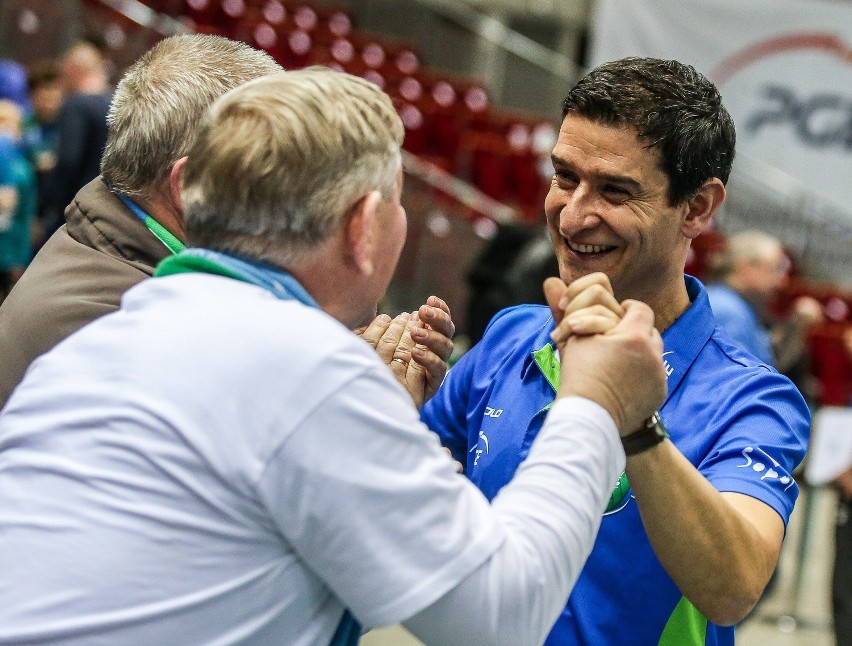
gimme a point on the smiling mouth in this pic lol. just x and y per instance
(588, 248)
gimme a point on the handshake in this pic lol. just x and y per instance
(610, 352)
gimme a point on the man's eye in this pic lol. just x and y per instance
(616, 191)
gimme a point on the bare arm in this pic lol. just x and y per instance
(719, 548)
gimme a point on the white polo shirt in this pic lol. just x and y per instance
(212, 465)
(207, 465)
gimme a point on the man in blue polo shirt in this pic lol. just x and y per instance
(693, 529)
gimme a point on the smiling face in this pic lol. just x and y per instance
(608, 210)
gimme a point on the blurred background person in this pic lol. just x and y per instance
(509, 270)
(13, 84)
(746, 276)
(17, 199)
(41, 137)
(841, 580)
(81, 125)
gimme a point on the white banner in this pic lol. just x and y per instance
(784, 68)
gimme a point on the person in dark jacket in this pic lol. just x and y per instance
(124, 222)
(81, 125)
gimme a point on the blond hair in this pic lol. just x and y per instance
(158, 105)
(281, 160)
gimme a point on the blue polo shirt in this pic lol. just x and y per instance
(733, 313)
(743, 426)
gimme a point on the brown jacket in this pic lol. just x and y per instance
(79, 275)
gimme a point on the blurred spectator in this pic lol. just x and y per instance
(17, 198)
(510, 270)
(841, 583)
(81, 124)
(41, 137)
(749, 272)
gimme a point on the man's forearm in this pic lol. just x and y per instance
(720, 557)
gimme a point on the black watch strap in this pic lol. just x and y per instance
(652, 433)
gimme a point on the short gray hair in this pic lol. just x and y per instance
(749, 246)
(281, 160)
(158, 105)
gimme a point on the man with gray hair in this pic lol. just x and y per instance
(120, 225)
(747, 274)
(223, 461)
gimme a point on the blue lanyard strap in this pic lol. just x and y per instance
(348, 631)
(162, 234)
(208, 261)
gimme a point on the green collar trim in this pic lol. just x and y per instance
(547, 361)
(183, 264)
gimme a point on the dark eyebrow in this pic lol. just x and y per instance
(621, 180)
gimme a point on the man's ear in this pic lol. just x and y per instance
(361, 231)
(175, 180)
(702, 206)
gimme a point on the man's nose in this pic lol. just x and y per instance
(580, 211)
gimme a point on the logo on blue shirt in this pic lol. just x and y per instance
(481, 442)
(667, 365)
(760, 467)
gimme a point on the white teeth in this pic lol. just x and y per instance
(588, 248)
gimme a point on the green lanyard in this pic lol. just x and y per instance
(160, 232)
(164, 235)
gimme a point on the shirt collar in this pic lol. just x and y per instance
(682, 341)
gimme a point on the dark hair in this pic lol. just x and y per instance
(42, 73)
(672, 107)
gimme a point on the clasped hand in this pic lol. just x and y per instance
(611, 353)
(416, 346)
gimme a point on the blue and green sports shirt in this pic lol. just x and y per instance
(743, 425)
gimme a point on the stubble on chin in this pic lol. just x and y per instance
(366, 318)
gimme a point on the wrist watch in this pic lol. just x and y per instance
(652, 433)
